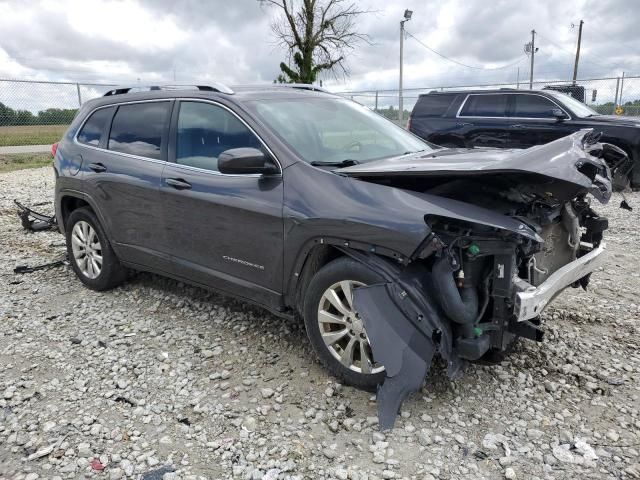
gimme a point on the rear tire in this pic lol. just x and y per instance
(335, 330)
(90, 253)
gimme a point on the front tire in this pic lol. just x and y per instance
(90, 253)
(335, 329)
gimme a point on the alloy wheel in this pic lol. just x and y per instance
(86, 249)
(343, 330)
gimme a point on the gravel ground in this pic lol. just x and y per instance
(157, 379)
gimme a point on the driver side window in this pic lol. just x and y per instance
(205, 131)
(533, 106)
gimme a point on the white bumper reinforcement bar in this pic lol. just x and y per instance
(531, 302)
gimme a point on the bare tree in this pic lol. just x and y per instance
(317, 35)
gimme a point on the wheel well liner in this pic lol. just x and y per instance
(68, 204)
(318, 257)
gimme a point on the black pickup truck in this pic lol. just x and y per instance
(509, 118)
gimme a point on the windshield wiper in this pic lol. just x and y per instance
(342, 163)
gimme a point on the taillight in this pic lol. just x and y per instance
(54, 149)
(409, 123)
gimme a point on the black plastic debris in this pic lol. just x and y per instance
(405, 330)
(403, 350)
(20, 269)
(158, 473)
(35, 221)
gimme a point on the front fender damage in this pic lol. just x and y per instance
(407, 344)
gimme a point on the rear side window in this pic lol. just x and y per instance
(486, 105)
(432, 105)
(138, 129)
(205, 131)
(533, 106)
(94, 127)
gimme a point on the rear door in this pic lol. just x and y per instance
(225, 231)
(483, 120)
(122, 175)
(533, 122)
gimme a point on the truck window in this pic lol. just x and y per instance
(485, 105)
(432, 105)
(532, 106)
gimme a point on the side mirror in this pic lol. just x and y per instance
(244, 161)
(558, 114)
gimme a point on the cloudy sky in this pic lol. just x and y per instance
(231, 41)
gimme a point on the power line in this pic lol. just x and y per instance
(460, 63)
(572, 53)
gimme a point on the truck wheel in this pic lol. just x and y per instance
(335, 329)
(90, 253)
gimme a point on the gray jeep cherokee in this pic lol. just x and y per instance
(391, 249)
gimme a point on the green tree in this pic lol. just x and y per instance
(24, 117)
(317, 35)
(7, 115)
(56, 116)
(50, 116)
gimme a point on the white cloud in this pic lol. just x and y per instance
(231, 41)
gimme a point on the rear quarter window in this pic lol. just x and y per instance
(93, 129)
(432, 105)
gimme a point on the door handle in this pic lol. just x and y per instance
(516, 125)
(178, 183)
(464, 124)
(97, 167)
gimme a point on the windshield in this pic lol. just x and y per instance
(580, 109)
(335, 130)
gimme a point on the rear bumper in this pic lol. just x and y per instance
(531, 302)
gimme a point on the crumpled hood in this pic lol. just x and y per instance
(558, 160)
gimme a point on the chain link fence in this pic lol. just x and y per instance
(38, 113)
(608, 96)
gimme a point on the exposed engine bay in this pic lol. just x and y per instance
(480, 281)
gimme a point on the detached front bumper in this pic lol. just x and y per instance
(530, 302)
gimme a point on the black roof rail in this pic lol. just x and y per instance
(304, 86)
(213, 87)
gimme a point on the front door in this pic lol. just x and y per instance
(225, 231)
(533, 121)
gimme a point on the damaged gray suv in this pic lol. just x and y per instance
(393, 250)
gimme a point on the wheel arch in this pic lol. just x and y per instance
(70, 201)
(316, 254)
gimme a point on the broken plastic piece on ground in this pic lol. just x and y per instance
(624, 204)
(34, 221)
(158, 473)
(45, 266)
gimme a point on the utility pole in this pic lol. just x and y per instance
(407, 17)
(533, 54)
(518, 79)
(575, 67)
